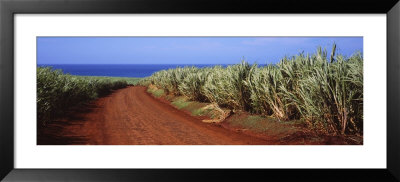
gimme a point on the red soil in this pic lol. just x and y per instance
(131, 116)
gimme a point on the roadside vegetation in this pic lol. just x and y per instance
(323, 91)
(57, 92)
(129, 81)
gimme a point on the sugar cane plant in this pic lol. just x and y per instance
(57, 92)
(326, 93)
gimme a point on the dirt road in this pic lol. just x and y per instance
(131, 116)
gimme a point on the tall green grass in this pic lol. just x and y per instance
(326, 92)
(57, 92)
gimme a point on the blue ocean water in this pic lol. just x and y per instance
(117, 70)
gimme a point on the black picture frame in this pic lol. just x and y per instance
(8, 8)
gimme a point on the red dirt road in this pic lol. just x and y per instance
(131, 116)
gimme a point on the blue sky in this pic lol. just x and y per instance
(183, 50)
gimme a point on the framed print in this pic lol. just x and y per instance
(133, 90)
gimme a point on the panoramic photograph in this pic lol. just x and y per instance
(199, 90)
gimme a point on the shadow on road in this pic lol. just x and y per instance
(56, 132)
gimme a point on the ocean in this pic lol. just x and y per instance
(117, 70)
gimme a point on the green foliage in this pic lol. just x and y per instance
(263, 124)
(158, 93)
(128, 80)
(57, 92)
(226, 86)
(180, 103)
(326, 92)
